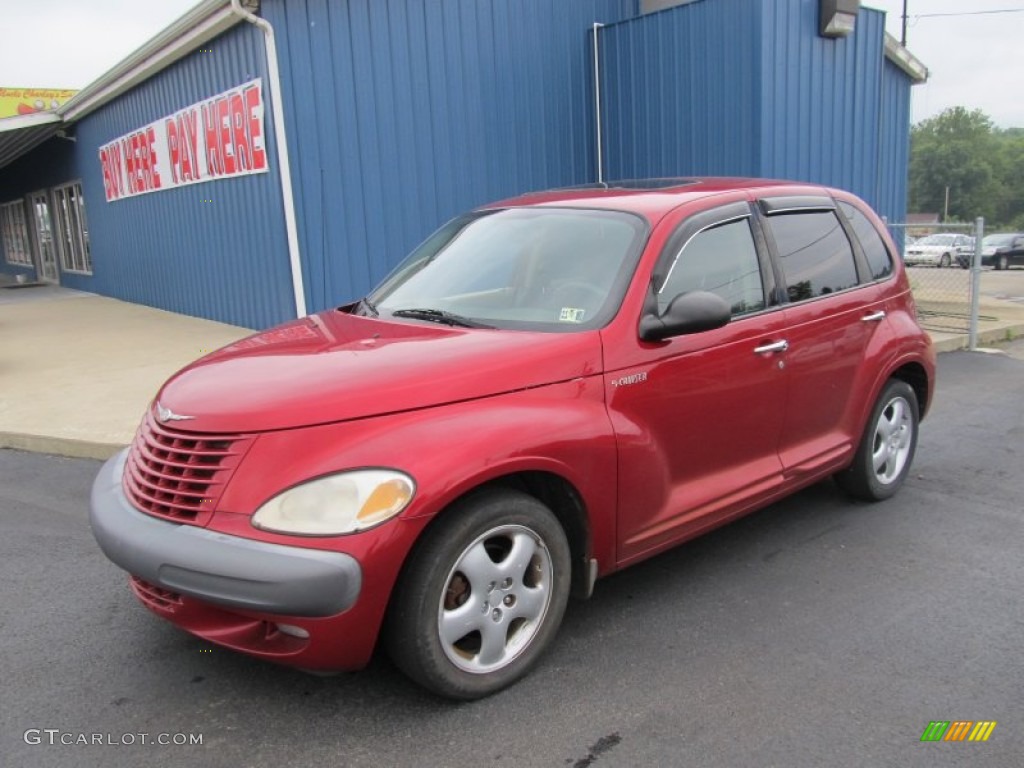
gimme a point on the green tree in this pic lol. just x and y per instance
(957, 149)
(1010, 171)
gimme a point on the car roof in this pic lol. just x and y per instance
(653, 198)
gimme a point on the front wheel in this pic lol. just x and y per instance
(887, 446)
(945, 261)
(481, 597)
(1002, 263)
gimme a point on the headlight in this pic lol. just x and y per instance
(344, 503)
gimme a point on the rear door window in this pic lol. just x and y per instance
(816, 256)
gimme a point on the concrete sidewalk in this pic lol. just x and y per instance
(77, 371)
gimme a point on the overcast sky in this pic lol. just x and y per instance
(975, 61)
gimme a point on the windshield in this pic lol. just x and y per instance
(937, 240)
(547, 269)
(998, 240)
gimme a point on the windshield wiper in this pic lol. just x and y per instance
(440, 316)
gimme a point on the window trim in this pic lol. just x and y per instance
(771, 206)
(702, 221)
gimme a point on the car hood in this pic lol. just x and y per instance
(334, 366)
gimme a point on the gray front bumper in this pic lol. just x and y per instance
(215, 567)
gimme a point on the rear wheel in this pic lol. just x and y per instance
(887, 446)
(482, 596)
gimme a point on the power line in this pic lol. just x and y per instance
(966, 13)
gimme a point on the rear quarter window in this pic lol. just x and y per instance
(877, 255)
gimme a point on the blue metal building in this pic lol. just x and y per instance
(373, 121)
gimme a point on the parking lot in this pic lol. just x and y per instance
(816, 632)
(1008, 284)
(944, 296)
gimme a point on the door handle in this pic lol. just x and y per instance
(778, 346)
(874, 317)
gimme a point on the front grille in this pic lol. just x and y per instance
(154, 596)
(179, 475)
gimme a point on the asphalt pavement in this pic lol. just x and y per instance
(817, 632)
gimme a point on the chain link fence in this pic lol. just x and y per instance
(944, 266)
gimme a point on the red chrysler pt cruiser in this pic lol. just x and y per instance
(547, 390)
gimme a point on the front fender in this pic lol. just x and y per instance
(562, 429)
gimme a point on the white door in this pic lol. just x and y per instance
(44, 246)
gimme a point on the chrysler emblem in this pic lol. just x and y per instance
(166, 414)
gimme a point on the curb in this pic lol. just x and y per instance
(954, 343)
(59, 446)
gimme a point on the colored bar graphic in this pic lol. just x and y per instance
(982, 730)
(958, 730)
(935, 731)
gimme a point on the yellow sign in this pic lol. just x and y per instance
(25, 101)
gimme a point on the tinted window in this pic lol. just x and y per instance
(816, 256)
(721, 260)
(877, 254)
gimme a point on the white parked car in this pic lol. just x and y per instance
(937, 250)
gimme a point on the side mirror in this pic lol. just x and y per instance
(690, 312)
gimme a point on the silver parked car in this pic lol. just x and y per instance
(937, 250)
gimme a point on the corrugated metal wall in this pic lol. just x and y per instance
(403, 113)
(679, 93)
(822, 98)
(894, 145)
(226, 259)
(748, 87)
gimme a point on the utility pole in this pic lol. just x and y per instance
(903, 37)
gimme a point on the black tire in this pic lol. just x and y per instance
(518, 609)
(889, 439)
(1002, 263)
(945, 261)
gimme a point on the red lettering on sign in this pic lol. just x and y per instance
(190, 151)
(129, 162)
(174, 148)
(152, 158)
(224, 123)
(116, 168)
(254, 116)
(108, 181)
(138, 162)
(214, 166)
(240, 140)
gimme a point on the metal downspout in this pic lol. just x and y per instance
(597, 103)
(282, 152)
